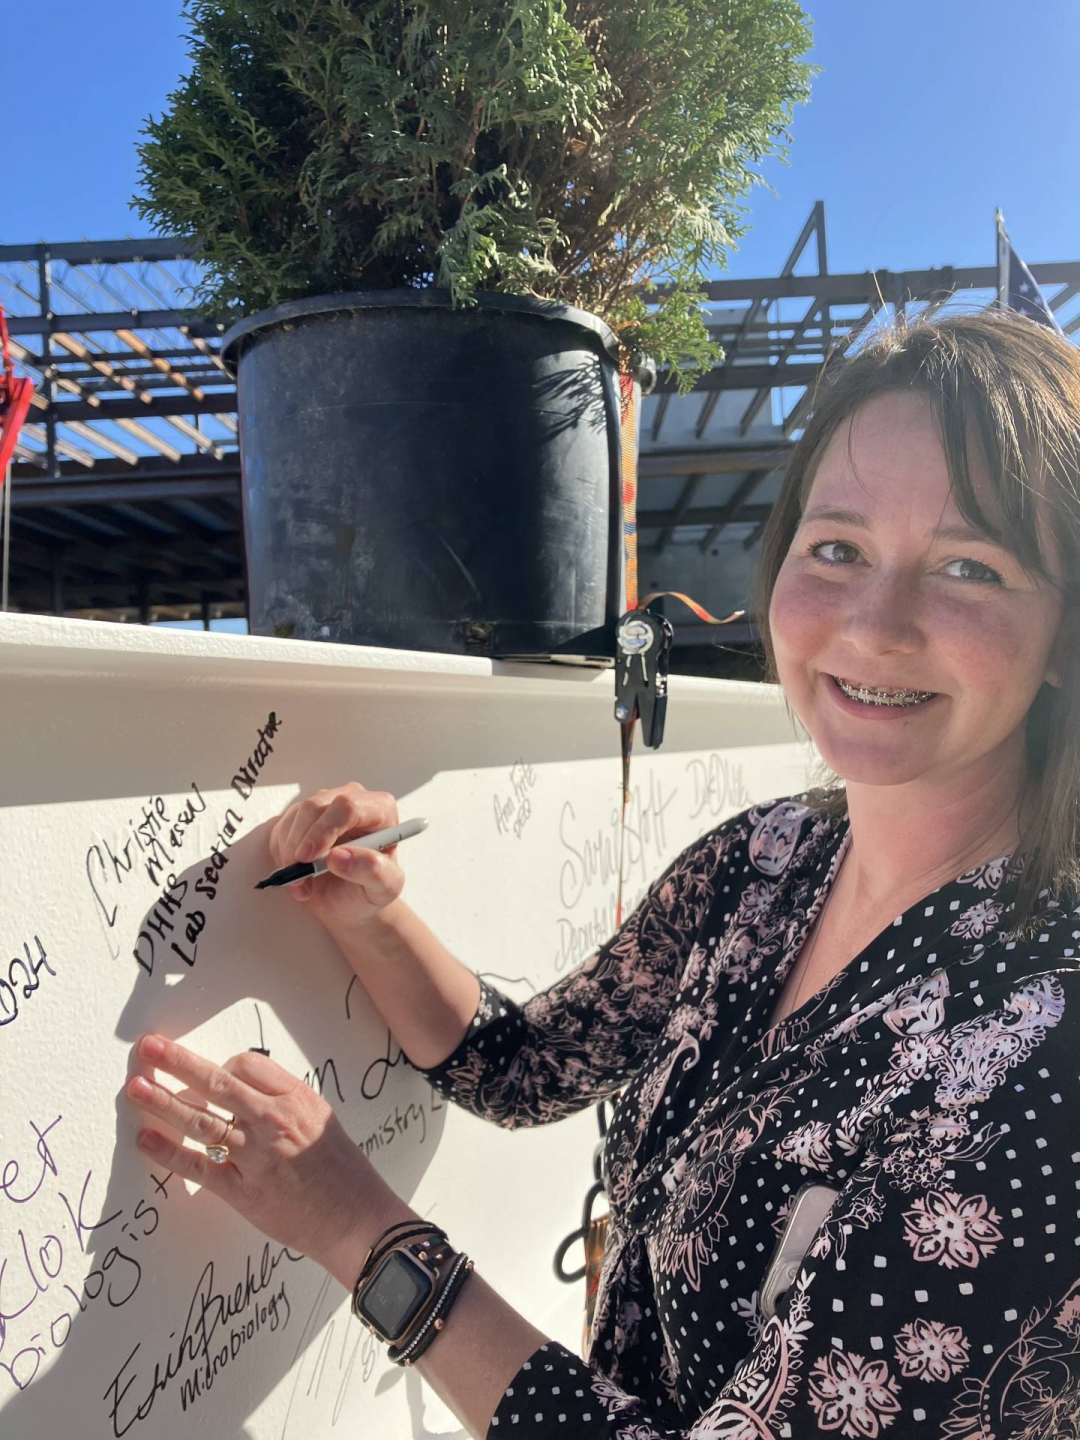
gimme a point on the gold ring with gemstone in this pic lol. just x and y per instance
(220, 1153)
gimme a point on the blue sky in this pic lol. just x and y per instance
(928, 114)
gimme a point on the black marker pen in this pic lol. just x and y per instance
(377, 840)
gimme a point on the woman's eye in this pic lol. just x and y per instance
(839, 553)
(823, 545)
(985, 575)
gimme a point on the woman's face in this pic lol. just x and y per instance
(883, 595)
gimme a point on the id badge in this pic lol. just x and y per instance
(808, 1213)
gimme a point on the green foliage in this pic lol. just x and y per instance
(584, 151)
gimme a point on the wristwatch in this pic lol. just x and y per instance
(391, 1299)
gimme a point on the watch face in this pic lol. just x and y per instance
(394, 1295)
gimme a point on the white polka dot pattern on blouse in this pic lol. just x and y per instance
(932, 1084)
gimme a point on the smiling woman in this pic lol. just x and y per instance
(917, 595)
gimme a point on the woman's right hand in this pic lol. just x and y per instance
(358, 883)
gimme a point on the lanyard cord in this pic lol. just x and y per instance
(628, 471)
(628, 448)
(594, 1232)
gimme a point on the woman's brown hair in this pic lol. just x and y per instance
(1013, 386)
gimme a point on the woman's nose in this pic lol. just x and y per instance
(883, 614)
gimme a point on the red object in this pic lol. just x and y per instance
(15, 393)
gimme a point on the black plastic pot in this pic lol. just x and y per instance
(431, 479)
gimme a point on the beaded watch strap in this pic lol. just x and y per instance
(435, 1319)
(429, 1245)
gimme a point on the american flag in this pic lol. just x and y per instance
(1017, 289)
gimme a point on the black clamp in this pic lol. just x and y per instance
(642, 655)
(596, 1189)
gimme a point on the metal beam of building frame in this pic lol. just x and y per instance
(89, 524)
(801, 243)
(44, 278)
(115, 320)
(815, 224)
(823, 263)
(779, 328)
(89, 600)
(858, 288)
(149, 380)
(734, 506)
(18, 580)
(28, 493)
(205, 349)
(138, 507)
(737, 346)
(795, 417)
(798, 412)
(227, 511)
(106, 442)
(90, 557)
(837, 289)
(142, 350)
(61, 382)
(197, 438)
(663, 464)
(755, 535)
(30, 457)
(685, 500)
(83, 592)
(197, 513)
(115, 376)
(745, 377)
(52, 534)
(707, 515)
(149, 438)
(1064, 295)
(56, 527)
(984, 277)
(749, 415)
(156, 467)
(76, 604)
(658, 417)
(152, 520)
(145, 407)
(810, 347)
(89, 252)
(154, 352)
(63, 447)
(708, 405)
(793, 420)
(866, 319)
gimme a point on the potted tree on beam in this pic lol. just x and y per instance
(438, 229)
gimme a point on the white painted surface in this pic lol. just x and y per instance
(100, 724)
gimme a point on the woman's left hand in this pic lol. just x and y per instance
(292, 1169)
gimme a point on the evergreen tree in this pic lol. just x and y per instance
(577, 150)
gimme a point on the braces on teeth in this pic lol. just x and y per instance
(883, 697)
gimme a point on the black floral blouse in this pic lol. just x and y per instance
(932, 1084)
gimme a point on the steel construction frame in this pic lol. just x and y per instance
(125, 493)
